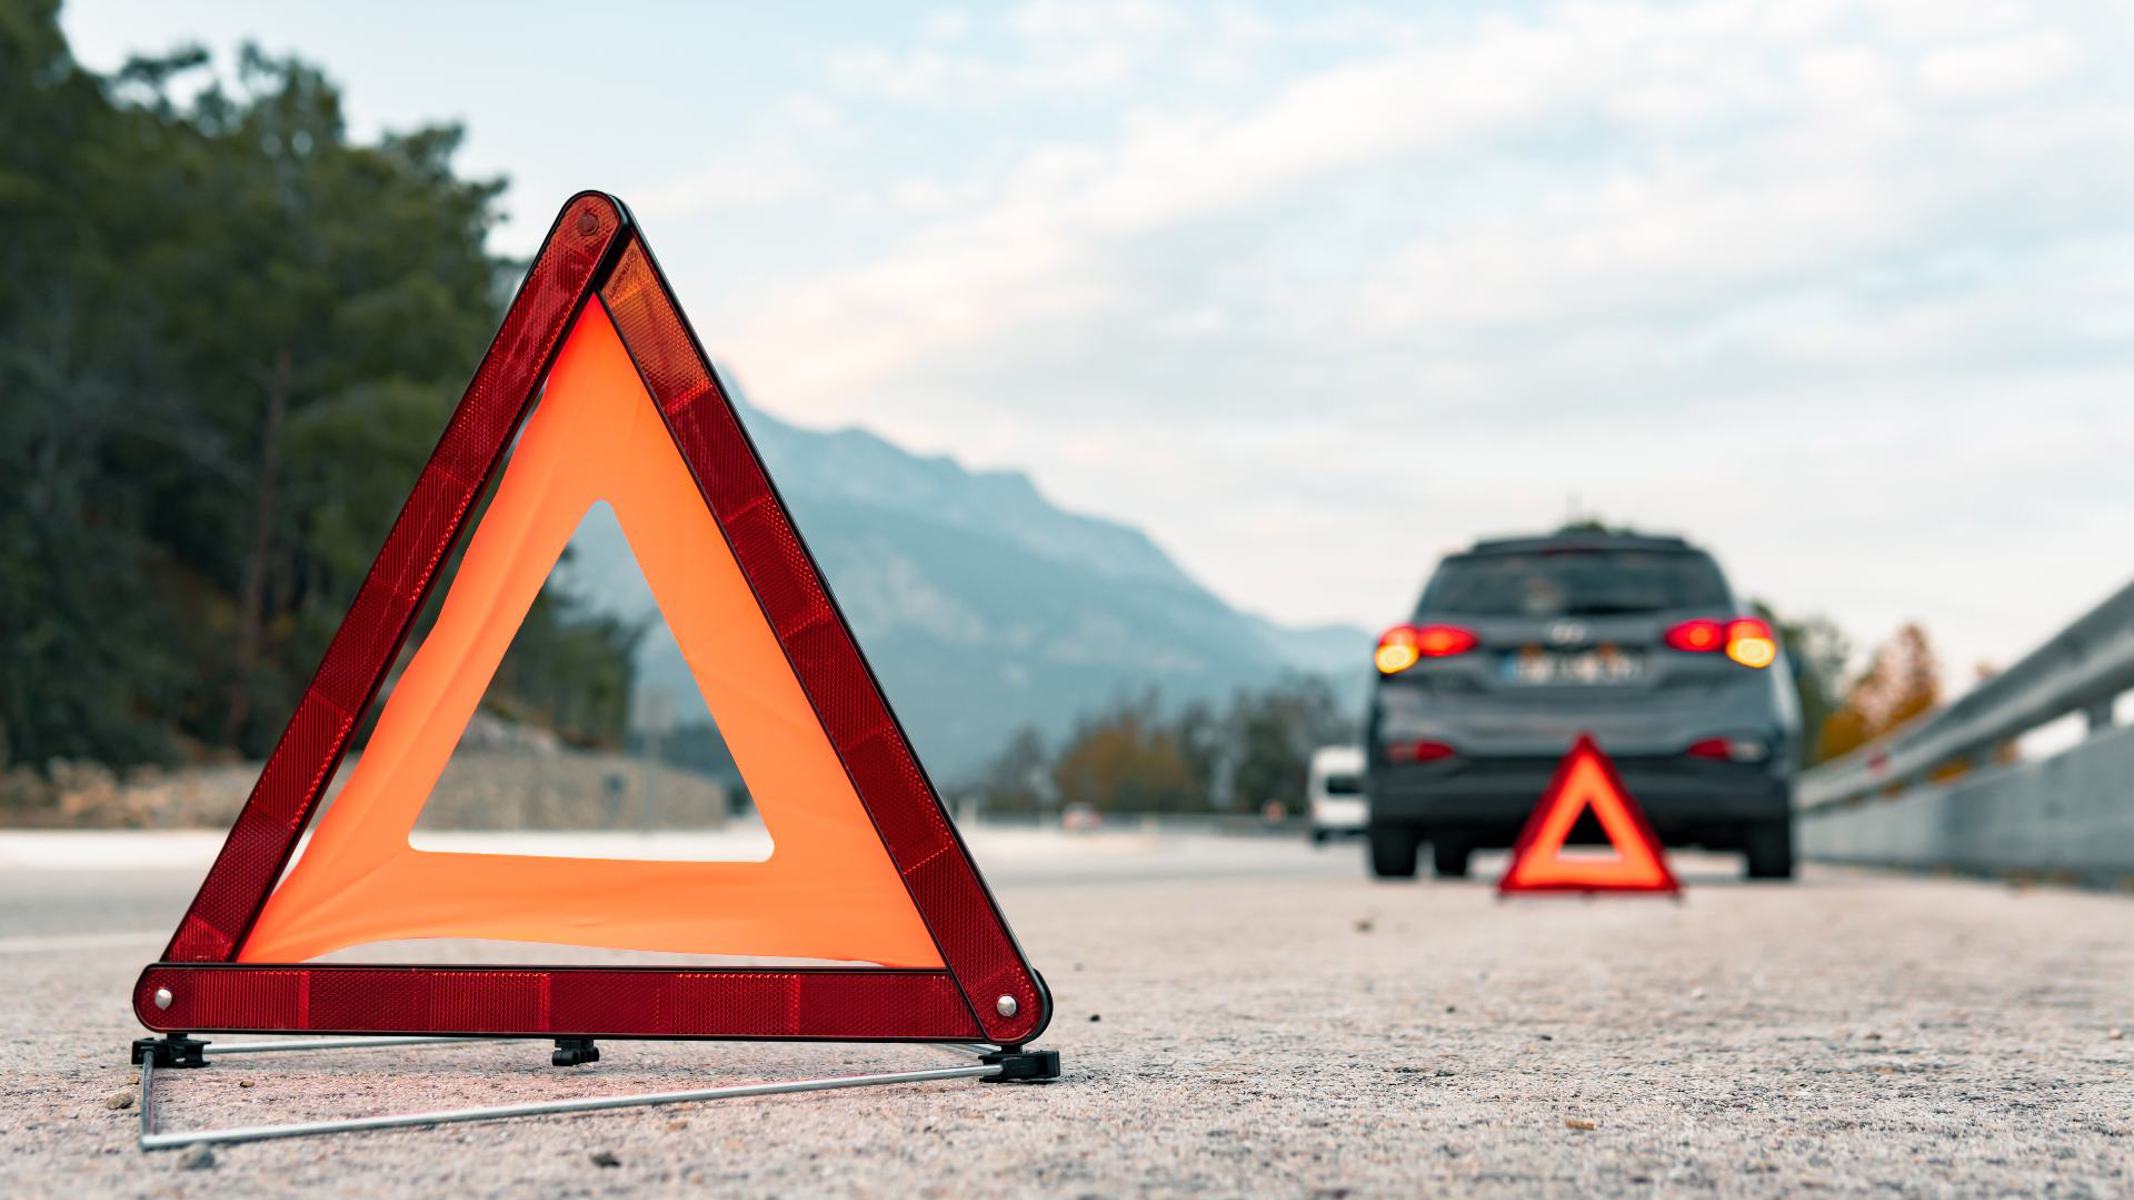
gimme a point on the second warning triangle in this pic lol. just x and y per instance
(1586, 781)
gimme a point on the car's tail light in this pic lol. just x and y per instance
(1419, 752)
(1403, 646)
(1396, 650)
(1697, 637)
(1746, 640)
(1729, 749)
(1749, 642)
(1709, 748)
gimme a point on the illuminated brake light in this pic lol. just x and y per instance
(1709, 748)
(1419, 752)
(1403, 646)
(1749, 642)
(1746, 640)
(1443, 641)
(1396, 650)
(1697, 637)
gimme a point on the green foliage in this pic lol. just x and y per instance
(568, 671)
(1819, 652)
(1132, 757)
(1019, 778)
(1276, 731)
(1901, 684)
(1126, 760)
(229, 337)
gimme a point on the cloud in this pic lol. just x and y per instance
(1800, 278)
(1998, 67)
(1053, 48)
(1062, 202)
(762, 166)
(1750, 148)
(741, 181)
(947, 26)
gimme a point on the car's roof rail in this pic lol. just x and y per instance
(1579, 539)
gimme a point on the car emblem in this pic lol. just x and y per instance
(1566, 633)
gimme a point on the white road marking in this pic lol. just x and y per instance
(29, 850)
(193, 850)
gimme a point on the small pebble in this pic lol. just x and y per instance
(202, 1158)
(604, 1158)
(677, 1125)
(119, 1100)
(244, 1083)
(2116, 1034)
(1095, 1017)
(1576, 1123)
(1365, 925)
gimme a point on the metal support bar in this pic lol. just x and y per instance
(353, 1043)
(147, 1103)
(2098, 716)
(152, 1140)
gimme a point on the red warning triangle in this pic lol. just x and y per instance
(1585, 779)
(596, 390)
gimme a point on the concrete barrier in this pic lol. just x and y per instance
(2070, 817)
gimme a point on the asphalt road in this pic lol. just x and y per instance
(1237, 1017)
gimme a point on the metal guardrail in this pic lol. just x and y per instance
(2081, 669)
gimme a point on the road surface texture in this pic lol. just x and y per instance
(1238, 1016)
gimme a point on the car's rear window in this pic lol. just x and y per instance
(1574, 583)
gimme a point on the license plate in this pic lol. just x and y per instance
(1535, 667)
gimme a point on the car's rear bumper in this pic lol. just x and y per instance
(1485, 802)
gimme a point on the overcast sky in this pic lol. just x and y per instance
(1843, 290)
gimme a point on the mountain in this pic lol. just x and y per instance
(981, 605)
(1338, 652)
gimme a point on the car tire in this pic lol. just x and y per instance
(1448, 858)
(1769, 850)
(1319, 837)
(1393, 851)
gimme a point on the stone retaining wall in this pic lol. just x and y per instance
(480, 789)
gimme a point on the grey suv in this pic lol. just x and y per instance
(1520, 643)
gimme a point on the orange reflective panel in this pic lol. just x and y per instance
(1585, 779)
(828, 890)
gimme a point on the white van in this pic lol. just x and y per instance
(1334, 792)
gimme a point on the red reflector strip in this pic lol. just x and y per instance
(966, 925)
(1418, 752)
(826, 1004)
(1709, 748)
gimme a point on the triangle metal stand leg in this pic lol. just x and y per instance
(992, 1065)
